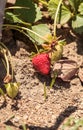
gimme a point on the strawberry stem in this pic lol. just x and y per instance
(55, 19)
(45, 93)
(26, 29)
(53, 80)
(7, 60)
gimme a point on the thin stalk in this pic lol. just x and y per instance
(3, 45)
(4, 63)
(53, 80)
(6, 59)
(45, 93)
(26, 29)
(55, 18)
(16, 7)
(9, 57)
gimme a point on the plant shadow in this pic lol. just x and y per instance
(80, 47)
(62, 116)
(59, 84)
(9, 123)
(4, 104)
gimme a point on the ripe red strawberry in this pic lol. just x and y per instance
(41, 63)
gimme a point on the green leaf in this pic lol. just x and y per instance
(12, 18)
(77, 24)
(30, 15)
(75, 4)
(52, 7)
(41, 29)
(1, 92)
(64, 13)
(81, 9)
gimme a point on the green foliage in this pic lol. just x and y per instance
(73, 124)
(11, 88)
(25, 14)
(72, 12)
(75, 5)
(81, 8)
(2, 93)
(12, 18)
(77, 24)
(41, 29)
(25, 11)
(31, 14)
(64, 13)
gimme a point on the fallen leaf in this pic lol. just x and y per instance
(65, 69)
(7, 78)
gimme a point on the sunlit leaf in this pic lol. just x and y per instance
(64, 13)
(81, 9)
(41, 29)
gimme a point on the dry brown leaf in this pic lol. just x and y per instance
(65, 69)
(7, 78)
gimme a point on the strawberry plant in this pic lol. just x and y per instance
(39, 33)
(25, 17)
(8, 81)
(71, 11)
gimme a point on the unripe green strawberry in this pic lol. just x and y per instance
(56, 54)
(12, 89)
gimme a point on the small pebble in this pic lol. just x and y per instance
(16, 119)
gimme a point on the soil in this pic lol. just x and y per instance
(30, 107)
